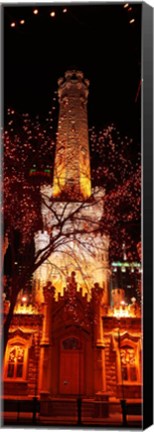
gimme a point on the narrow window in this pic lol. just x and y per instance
(128, 363)
(15, 366)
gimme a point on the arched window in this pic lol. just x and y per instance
(129, 364)
(16, 359)
(16, 362)
(128, 357)
(71, 343)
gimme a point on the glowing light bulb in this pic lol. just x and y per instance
(22, 21)
(123, 269)
(64, 10)
(35, 11)
(122, 303)
(133, 300)
(126, 5)
(13, 24)
(131, 21)
(52, 14)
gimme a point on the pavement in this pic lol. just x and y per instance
(25, 419)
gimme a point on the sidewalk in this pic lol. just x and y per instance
(26, 420)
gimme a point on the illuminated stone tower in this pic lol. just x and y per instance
(85, 253)
(72, 162)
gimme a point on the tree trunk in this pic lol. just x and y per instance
(7, 323)
(17, 285)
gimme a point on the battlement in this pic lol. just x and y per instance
(73, 79)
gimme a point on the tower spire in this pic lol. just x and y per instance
(72, 161)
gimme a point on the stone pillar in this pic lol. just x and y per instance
(46, 342)
(97, 294)
(106, 299)
(99, 359)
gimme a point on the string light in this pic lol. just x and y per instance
(35, 12)
(132, 21)
(114, 169)
(126, 5)
(111, 167)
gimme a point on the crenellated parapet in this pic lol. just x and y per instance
(73, 80)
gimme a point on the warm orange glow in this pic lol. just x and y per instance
(85, 182)
(25, 309)
(13, 24)
(52, 14)
(72, 161)
(60, 183)
(90, 267)
(24, 298)
(124, 311)
(35, 11)
(64, 10)
(121, 312)
(126, 5)
(131, 21)
(22, 21)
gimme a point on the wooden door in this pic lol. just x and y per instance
(71, 367)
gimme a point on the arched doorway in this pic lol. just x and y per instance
(71, 366)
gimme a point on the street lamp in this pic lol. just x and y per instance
(24, 299)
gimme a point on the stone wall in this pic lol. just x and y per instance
(129, 329)
(28, 328)
(110, 367)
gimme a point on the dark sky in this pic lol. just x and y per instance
(95, 38)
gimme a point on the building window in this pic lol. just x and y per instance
(71, 344)
(15, 365)
(16, 359)
(129, 369)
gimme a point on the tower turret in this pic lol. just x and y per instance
(72, 177)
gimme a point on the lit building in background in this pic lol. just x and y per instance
(126, 277)
(79, 334)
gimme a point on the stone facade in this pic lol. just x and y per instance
(71, 344)
(74, 349)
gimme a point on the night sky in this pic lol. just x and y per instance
(96, 38)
